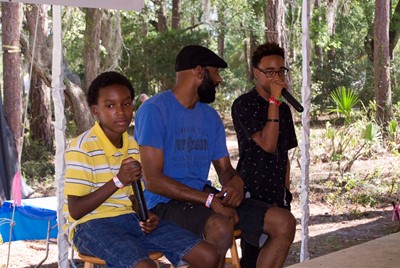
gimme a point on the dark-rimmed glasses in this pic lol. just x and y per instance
(271, 73)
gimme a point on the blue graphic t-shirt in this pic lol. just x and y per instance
(189, 138)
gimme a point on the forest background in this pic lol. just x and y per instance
(355, 78)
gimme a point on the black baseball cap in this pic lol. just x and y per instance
(191, 56)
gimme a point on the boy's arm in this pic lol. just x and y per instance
(152, 222)
(79, 206)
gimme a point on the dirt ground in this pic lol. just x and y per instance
(330, 228)
(328, 231)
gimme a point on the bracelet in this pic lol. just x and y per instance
(272, 120)
(118, 183)
(281, 99)
(209, 200)
(274, 100)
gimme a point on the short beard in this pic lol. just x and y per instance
(206, 90)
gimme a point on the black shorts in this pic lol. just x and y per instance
(193, 217)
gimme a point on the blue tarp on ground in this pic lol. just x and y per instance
(31, 219)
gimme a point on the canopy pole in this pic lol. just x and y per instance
(58, 88)
(305, 139)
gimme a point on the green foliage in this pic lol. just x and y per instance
(345, 100)
(37, 162)
(73, 36)
(149, 62)
(356, 137)
(350, 189)
(360, 137)
(168, 44)
(148, 55)
(222, 104)
(393, 137)
(372, 133)
(392, 128)
(343, 63)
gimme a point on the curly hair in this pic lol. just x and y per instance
(106, 79)
(266, 49)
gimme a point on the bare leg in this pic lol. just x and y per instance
(280, 225)
(203, 255)
(219, 232)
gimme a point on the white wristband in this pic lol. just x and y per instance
(209, 200)
(118, 183)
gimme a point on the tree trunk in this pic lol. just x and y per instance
(176, 14)
(293, 25)
(221, 44)
(92, 45)
(41, 128)
(394, 33)
(75, 96)
(111, 39)
(249, 48)
(162, 19)
(206, 10)
(221, 31)
(332, 6)
(246, 50)
(11, 26)
(319, 58)
(275, 23)
(77, 101)
(144, 80)
(271, 31)
(382, 62)
(276, 27)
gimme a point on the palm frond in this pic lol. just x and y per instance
(345, 100)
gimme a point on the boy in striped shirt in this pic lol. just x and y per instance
(101, 163)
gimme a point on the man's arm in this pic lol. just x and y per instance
(156, 182)
(232, 183)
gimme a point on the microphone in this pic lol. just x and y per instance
(140, 201)
(292, 100)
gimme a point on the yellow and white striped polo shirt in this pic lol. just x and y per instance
(92, 160)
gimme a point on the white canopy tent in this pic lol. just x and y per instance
(60, 120)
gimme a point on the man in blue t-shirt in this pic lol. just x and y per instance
(180, 135)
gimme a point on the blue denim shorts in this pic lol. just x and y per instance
(120, 242)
